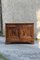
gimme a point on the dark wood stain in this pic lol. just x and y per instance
(20, 33)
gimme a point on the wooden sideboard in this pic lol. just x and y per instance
(19, 32)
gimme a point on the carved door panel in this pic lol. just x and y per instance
(26, 33)
(12, 34)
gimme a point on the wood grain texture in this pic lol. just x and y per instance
(19, 33)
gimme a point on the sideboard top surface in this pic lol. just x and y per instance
(19, 23)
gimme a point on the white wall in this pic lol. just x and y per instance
(15, 11)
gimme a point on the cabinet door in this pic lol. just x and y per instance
(26, 33)
(12, 33)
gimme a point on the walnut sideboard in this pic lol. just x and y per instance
(19, 32)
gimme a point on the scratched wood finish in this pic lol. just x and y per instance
(19, 32)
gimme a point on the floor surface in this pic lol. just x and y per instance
(20, 51)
